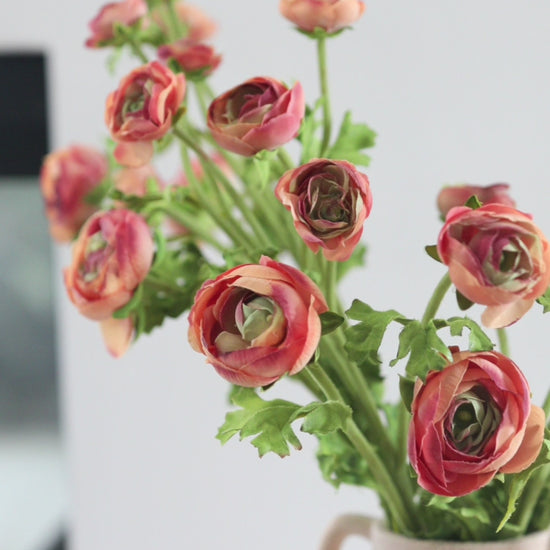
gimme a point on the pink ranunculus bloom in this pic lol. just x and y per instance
(470, 421)
(496, 257)
(256, 323)
(329, 201)
(199, 26)
(66, 177)
(329, 15)
(458, 195)
(141, 111)
(133, 181)
(127, 12)
(259, 114)
(111, 257)
(195, 58)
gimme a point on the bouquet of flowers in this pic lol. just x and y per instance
(254, 239)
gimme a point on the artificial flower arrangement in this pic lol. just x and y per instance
(253, 244)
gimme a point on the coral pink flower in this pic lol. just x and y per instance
(66, 177)
(497, 257)
(261, 113)
(142, 109)
(127, 12)
(111, 257)
(470, 421)
(329, 201)
(256, 323)
(329, 15)
(195, 58)
(199, 26)
(457, 195)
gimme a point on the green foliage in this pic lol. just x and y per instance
(340, 463)
(431, 250)
(330, 321)
(544, 301)
(425, 349)
(271, 421)
(357, 259)
(352, 139)
(463, 302)
(478, 340)
(473, 203)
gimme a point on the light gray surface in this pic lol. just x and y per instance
(458, 91)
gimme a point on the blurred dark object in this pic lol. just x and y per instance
(59, 544)
(23, 120)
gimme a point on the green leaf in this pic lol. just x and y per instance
(364, 339)
(406, 390)
(271, 421)
(544, 301)
(478, 340)
(351, 140)
(330, 321)
(425, 349)
(431, 250)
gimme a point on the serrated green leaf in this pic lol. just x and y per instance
(330, 321)
(134, 302)
(351, 140)
(321, 418)
(425, 349)
(478, 340)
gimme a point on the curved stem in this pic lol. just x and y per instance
(436, 299)
(323, 77)
(285, 158)
(503, 343)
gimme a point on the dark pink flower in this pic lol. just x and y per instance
(111, 257)
(472, 420)
(142, 109)
(256, 323)
(496, 257)
(195, 58)
(329, 201)
(260, 114)
(127, 12)
(457, 195)
(329, 15)
(66, 177)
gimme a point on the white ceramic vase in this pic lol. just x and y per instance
(381, 539)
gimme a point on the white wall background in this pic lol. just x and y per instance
(458, 92)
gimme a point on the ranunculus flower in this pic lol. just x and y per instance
(329, 201)
(199, 26)
(141, 111)
(497, 257)
(127, 12)
(256, 323)
(262, 113)
(470, 421)
(66, 177)
(195, 58)
(457, 195)
(329, 15)
(111, 257)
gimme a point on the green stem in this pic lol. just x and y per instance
(401, 508)
(285, 158)
(135, 46)
(530, 496)
(436, 299)
(503, 343)
(323, 78)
